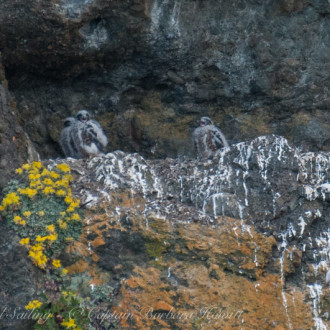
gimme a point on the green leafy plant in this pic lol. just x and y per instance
(68, 312)
(41, 209)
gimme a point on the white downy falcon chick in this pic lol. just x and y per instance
(83, 137)
(208, 138)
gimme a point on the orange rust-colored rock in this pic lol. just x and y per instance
(78, 267)
(191, 276)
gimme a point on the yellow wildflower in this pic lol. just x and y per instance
(74, 204)
(34, 184)
(10, 199)
(41, 239)
(33, 171)
(32, 254)
(2, 208)
(17, 219)
(24, 241)
(33, 304)
(39, 258)
(64, 271)
(27, 214)
(26, 166)
(69, 324)
(33, 177)
(68, 199)
(19, 171)
(45, 172)
(62, 214)
(36, 247)
(22, 223)
(62, 224)
(48, 182)
(63, 167)
(75, 216)
(60, 193)
(37, 164)
(54, 175)
(57, 263)
(48, 190)
(41, 213)
(50, 228)
(28, 191)
(62, 183)
(52, 237)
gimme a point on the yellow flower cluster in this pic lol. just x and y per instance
(49, 183)
(44, 181)
(62, 224)
(27, 214)
(51, 228)
(19, 221)
(33, 304)
(64, 168)
(10, 199)
(52, 237)
(70, 324)
(57, 263)
(75, 216)
(38, 256)
(24, 241)
(73, 203)
(28, 192)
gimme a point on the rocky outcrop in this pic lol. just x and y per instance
(240, 239)
(15, 145)
(150, 68)
(19, 281)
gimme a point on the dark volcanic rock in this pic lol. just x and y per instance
(15, 145)
(18, 282)
(150, 68)
(257, 211)
(247, 231)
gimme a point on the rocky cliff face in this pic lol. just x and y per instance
(149, 69)
(15, 145)
(238, 241)
(244, 232)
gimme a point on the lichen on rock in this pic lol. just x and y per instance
(178, 262)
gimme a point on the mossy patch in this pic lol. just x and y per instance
(156, 247)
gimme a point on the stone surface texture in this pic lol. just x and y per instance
(238, 241)
(148, 69)
(242, 240)
(15, 145)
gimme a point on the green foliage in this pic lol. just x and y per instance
(40, 208)
(102, 294)
(67, 312)
(155, 247)
(42, 211)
